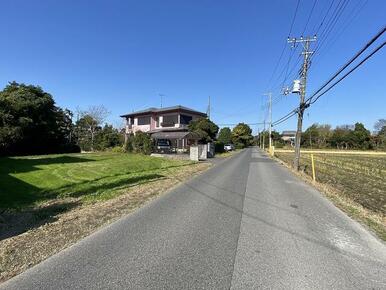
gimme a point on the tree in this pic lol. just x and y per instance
(31, 123)
(225, 135)
(141, 143)
(317, 136)
(340, 138)
(360, 137)
(89, 123)
(276, 139)
(205, 128)
(86, 128)
(242, 135)
(381, 136)
(108, 137)
(380, 124)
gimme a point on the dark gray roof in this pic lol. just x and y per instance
(289, 133)
(166, 109)
(175, 135)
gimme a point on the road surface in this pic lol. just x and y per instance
(247, 223)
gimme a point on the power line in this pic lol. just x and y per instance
(286, 68)
(331, 24)
(286, 117)
(310, 100)
(309, 16)
(325, 16)
(354, 13)
(285, 44)
(352, 59)
(234, 124)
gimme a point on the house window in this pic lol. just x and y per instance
(144, 120)
(169, 120)
(185, 119)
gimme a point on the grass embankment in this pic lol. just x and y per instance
(47, 203)
(354, 182)
(26, 181)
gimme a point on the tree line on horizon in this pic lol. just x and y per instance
(31, 123)
(344, 137)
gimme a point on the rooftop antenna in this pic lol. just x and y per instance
(161, 96)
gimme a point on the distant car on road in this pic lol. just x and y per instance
(229, 147)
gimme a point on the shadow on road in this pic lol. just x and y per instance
(326, 245)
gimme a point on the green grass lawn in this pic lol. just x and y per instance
(29, 180)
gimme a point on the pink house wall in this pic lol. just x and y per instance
(152, 121)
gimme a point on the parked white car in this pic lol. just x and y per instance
(229, 147)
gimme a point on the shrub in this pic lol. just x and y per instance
(219, 147)
(140, 143)
(118, 149)
(240, 145)
(129, 143)
(70, 148)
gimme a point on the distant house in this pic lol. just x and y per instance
(170, 123)
(288, 136)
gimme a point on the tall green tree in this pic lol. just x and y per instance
(242, 135)
(31, 123)
(225, 135)
(360, 137)
(88, 125)
(317, 136)
(205, 128)
(108, 137)
(340, 137)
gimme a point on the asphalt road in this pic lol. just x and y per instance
(247, 223)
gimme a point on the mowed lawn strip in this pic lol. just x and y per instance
(50, 202)
(358, 178)
(25, 181)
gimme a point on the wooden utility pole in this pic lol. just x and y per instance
(264, 137)
(302, 106)
(270, 120)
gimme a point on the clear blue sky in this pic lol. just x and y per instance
(122, 54)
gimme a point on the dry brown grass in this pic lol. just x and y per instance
(375, 220)
(19, 252)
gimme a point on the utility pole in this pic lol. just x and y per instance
(302, 106)
(208, 109)
(270, 119)
(264, 137)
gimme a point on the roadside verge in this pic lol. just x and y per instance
(374, 220)
(20, 252)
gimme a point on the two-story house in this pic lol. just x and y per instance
(170, 123)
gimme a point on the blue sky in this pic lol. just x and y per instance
(122, 54)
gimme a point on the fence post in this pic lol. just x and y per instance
(313, 167)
